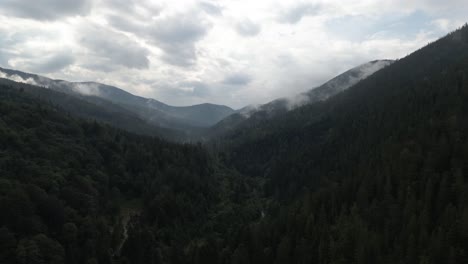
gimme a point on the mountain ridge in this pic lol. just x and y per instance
(178, 117)
(323, 92)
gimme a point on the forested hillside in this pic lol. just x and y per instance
(187, 121)
(376, 174)
(66, 185)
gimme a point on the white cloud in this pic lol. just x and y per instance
(247, 28)
(228, 52)
(18, 78)
(109, 48)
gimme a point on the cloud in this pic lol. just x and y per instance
(112, 48)
(237, 79)
(247, 28)
(295, 14)
(32, 49)
(196, 88)
(17, 78)
(135, 9)
(124, 24)
(177, 35)
(50, 64)
(89, 89)
(212, 9)
(45, 9)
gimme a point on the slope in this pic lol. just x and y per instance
(95, 109)
(329, 89)
(376, 174)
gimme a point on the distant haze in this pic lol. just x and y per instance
(236, 53)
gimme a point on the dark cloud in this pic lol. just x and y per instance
(125, 6)
(45, 9)
(177, 35)
(114, 47)
(238, 79)
(296, 13)
(211, 9)
(247, 28)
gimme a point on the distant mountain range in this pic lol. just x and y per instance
(141, 115)
(187, 118)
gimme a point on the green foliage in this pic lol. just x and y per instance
(64, 181)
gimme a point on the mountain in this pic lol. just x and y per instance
(96, 109)
(323, 92)
(375, 174)
(202, 115)
(187, 119)
(334, 86)
(342, 82)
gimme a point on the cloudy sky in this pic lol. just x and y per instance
(233, 52)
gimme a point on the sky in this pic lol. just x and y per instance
(232, 52)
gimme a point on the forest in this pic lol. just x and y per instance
(375, 174)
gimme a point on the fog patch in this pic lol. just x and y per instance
(88, 89)
(372, 67)
(297, 101)
(247, 111)
(17, 78)
(337, 84)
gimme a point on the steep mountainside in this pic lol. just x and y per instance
(321, 93)
(343, 81)
(376, 174)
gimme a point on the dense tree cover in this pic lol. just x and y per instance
(377, 174)
(66, 186)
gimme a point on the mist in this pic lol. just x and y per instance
(17, 78)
